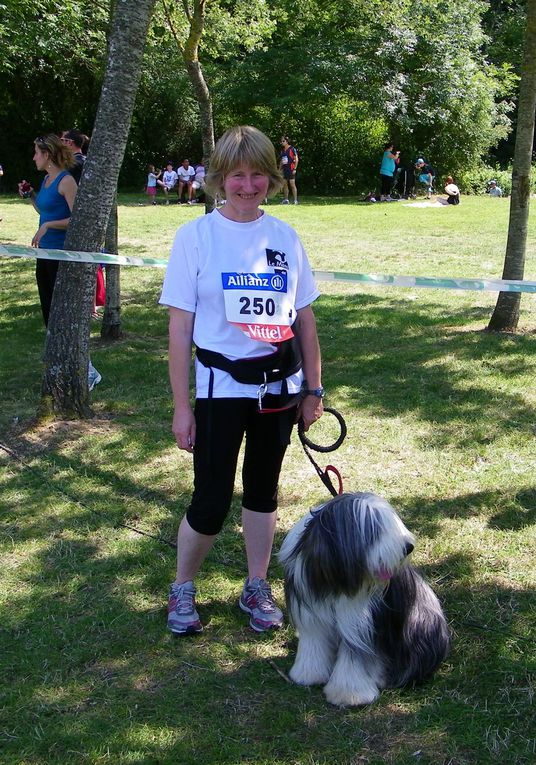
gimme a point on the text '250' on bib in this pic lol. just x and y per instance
(259, 305)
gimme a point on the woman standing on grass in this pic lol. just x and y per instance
(239, 286)
(54, 203)
(390, 160)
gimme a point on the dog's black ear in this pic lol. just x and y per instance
(331, 555)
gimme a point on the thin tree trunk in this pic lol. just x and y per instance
(111, 321)
(505, 317)
(195, 73)
(190, 54)
(65, 380)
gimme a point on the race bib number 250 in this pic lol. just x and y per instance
(259, 305)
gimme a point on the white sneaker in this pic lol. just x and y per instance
(295, 201)
(284, 202)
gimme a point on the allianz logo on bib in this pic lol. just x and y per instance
(267, 282)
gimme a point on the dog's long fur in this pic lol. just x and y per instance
(366, 619)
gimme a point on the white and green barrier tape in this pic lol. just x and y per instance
(386, 280)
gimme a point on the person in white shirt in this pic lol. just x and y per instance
(169, 180)
(494, 190)
(239, 287)
(452, 191)
(186, 175)
(198, 183)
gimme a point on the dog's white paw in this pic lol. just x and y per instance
(308, 676)
(347, 697)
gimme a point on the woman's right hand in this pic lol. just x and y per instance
(184, 428)
(25, 190)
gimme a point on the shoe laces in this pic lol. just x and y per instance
(185, 600)
(259, 592)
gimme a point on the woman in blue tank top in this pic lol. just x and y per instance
(54, 203)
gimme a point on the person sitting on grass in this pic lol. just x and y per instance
(198, 183)
(186, 175)
(169, 180)
(452, 191)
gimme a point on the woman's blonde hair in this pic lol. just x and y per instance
(243, 145)
(58, 152)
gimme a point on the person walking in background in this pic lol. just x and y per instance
(77, 143)
(289, 164)
(390, 159)
(257, 367)
(169, 180)
(152, 177)
(186, 175)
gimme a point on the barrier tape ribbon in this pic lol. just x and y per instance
(386, 280)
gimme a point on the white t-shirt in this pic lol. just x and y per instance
(220, 268)
(169, 178)
(185, 173)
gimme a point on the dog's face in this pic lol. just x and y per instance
(385, 540)
(352, 542)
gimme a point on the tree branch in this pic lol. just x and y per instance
(167, 13)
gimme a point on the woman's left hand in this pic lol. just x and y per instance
(310, 410)
(39, 234)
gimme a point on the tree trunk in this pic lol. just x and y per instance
(111, 321)
(65, 380)
(195, 73)
(190, 55)
(505, 317)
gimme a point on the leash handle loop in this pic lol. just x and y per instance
(331, 447)
(324, 475)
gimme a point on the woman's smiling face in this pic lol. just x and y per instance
(245, 189)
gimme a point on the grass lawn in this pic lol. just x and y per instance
(441, 420)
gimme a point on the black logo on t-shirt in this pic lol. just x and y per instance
(276, 259)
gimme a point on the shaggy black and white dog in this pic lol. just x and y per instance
(366, 619)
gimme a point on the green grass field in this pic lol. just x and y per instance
(442, 421)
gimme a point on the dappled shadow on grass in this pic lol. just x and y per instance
(93, 671)
(424, 515)
(399, 357)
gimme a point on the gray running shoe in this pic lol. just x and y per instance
(257, 601)
(183, 618)
(285, 202)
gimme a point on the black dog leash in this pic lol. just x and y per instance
(308, 444)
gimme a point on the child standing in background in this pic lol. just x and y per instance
(152, 177)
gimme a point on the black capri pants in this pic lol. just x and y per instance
(221, 424)
(386, 184)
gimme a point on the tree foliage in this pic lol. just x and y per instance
(338, 75)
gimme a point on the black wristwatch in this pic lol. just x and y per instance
(318, 392)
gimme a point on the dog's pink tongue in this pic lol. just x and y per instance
(383, 573)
